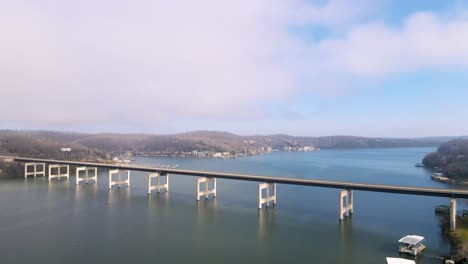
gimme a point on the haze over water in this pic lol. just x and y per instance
(59, 222)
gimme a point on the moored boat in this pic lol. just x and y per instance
(411, 244)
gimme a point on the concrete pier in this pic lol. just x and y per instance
(453, 214)
(59, 174)
(270, 194)
(158, 187)
(86, 177)
(206, 181)
(119, 181)
(35, 171)
(346, 203)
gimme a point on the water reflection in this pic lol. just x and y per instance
(119, 197)
(346, 228)
(206, 212)
(346, 236)
(29, 183)
(58, 184)
(158, 200)
(85, 191)
(266, 222)
(85, 195)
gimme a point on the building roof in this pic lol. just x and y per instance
(411, 240)
(399, 261)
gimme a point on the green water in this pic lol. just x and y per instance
(59, 222)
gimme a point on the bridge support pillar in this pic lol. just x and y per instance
(119, 181)
(453, 214)
(158, 185)
(35, 172)
(59, 174)
(86, 177)
(207, 191)
(270, 194)
(346, 203)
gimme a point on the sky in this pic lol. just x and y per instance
(300, 67)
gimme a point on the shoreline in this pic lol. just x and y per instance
(458, 238)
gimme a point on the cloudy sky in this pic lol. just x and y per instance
(360, 67)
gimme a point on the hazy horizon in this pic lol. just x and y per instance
(302, 67)
(221, 131)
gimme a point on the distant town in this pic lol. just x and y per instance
(226, 154)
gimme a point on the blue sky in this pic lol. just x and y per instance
(309, 68)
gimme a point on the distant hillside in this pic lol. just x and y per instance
(44, 144)
(227, 142)
(199, 143)
(451, 158)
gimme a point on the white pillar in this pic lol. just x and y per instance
(207, 191)
(35, 172)
(86, 178)
(270, 196)
(59, 171)
(149, 182)
(345, 203)
(340, 204)
(128, 178)
(453, 214)
(118, 182)
(158, 185)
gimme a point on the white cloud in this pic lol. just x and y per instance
(117, 62)
(425, 41)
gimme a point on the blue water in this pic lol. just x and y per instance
(60, 222)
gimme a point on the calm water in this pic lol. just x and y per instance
(59, 222)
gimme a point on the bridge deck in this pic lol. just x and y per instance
(454, 193)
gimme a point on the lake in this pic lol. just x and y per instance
(59, 222)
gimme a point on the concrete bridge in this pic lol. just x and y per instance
(61, 168)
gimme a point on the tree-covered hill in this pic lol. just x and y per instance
(451, 158)
(43, 144)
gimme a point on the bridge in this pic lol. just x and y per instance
(207, 178)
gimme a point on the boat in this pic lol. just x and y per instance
(399, 261)
(437, 176)
(411, 244)
(442, 209)
(419, 165)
